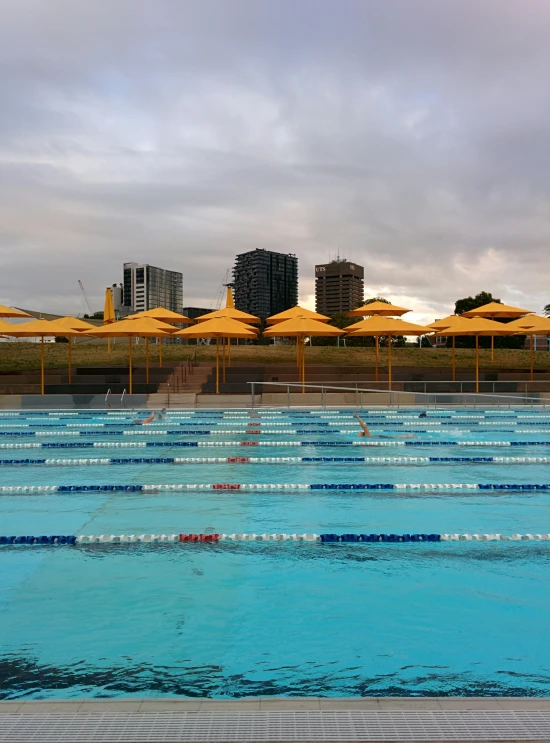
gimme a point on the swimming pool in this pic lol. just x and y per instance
(288, 611)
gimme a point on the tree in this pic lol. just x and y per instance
(472, 303)
(547, 310)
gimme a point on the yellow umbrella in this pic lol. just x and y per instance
(300, 328)
(41, 329)
(494, 310)
(477, 326)
(11, 312)
(378, 309)
(144, 327)
(109, 312)
(448, 322)
(164, 315)
(219, 327)
(531, 325)
(295, 312)
(234, 314)
(385, 326)
(73, 323)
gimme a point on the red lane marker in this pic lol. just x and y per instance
(226, 486)
(250, 443)
(253, 430)
(238, 459)
(183, 538)
(209, 537)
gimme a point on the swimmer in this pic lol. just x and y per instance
(159, 415)
(423, 415)
(366, 432)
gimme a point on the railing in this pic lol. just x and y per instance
(107, 398)
(395, 396)
(122, 397)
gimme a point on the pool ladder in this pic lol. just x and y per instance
(107, 403)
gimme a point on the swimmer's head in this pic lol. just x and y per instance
(361, 433)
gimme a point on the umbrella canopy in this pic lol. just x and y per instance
(445, 322)
(300, 328)
(496, 309)
(42, 329)
(143, 327)
(164, 315)
(11, 312)
(529, 321)
(385, 326)
(74, 323)
(231, 313)
(294, 312)
(382, 309)
(218, 327)
(108, 308)
(5, 327)
(475, 327)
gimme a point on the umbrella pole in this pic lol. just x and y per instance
(229, 352)
(376, 357)
(302, 341)
(477, 363)
(217, 365)
(454, 359)
(147, 360)
(42, 364)
(108, 345)
(531, 353)
(130, 365)
(70, 360)
(492, 348)
(389, 362)
(160, 353)
(223, 359)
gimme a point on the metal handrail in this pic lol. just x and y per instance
(122, 397)
(474, 396)
(107, 395)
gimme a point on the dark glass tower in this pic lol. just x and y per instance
(338, 287)
(265, 282)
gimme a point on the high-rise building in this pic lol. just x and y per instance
(338, 287)
(147, 287)
(265, 282)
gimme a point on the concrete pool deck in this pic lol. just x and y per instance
(277, 720)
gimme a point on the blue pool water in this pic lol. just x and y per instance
(248, 619)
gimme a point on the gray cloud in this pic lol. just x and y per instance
(410, 136)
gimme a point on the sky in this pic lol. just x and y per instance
(409, 136)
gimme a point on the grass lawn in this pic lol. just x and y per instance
(24, 355)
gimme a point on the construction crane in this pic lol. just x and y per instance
(80, 284)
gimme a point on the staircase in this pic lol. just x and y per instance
(182, 385)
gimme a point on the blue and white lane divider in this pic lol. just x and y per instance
(156, 444)
(223, 426)
(273, 460)
(241, 432)
(330, 538)
(258, 487)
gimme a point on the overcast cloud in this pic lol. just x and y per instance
(411, 136)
